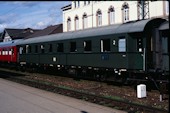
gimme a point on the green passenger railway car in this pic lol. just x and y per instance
(117, 52)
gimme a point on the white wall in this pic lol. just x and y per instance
(156, 9)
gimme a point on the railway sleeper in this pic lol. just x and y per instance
(111, 76)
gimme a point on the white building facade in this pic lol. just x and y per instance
(89, 14)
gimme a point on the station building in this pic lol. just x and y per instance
(81, 15)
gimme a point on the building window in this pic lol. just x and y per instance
(73, 47)
(87, 45)
(60, 47)
(78, 3)
(75, 4)
(105, 45)
(88, 2)
(125, 12)
(99, 18)
(68, 24)
(122, 45)
(76, 23)
(111, 13)
(85, 3)
(84, 21)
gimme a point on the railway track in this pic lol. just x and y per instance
(102, 100)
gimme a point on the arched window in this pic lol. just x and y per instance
(99, 18)
(125, 12)
(88, 2)
(85, 21)
(76, 23)
(69, 24)
(111, 15)
(76, 4)
(85, 3)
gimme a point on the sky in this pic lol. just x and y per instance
(30, 14)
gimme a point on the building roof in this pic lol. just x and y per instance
(67, 7)
(0, 37)
(48, 30)
(19, 33)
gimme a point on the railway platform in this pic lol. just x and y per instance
(18, 98)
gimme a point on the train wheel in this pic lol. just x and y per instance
(97, 77)
(103, 77)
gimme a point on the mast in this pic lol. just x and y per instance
(143, 9)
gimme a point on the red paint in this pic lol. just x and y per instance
(6, 55)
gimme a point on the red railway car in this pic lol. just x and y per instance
(8, 52)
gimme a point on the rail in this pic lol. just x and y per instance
(125, 105)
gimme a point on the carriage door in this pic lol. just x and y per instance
(153, 52)
(157, 49)
(165, 49)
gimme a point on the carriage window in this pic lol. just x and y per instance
(87, 45)
(11, 52)
(7, 51)
(151, 43)
(21, 50)
(165, 44)
(139, 45)
(3, 52)
(105, 45)
(50, 47)
(36, 48)
(24, 49)
(27, 47)
(122, 45)
(60, 47)
(42, 48)
(73, 47)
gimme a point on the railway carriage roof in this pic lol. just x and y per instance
(130, 27)
(164, 26)
(9, 43)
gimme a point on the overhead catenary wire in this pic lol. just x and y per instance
(54, 13)
(33, 19)
(11, 10)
